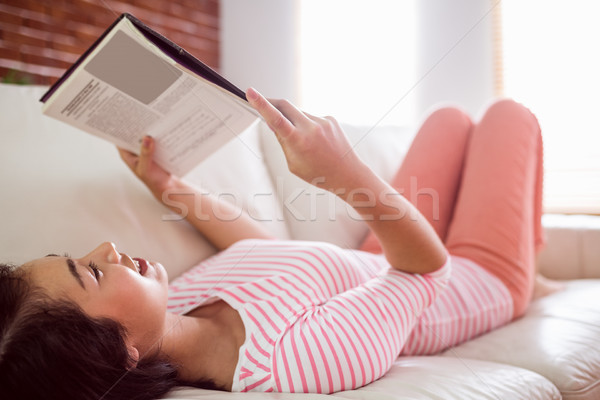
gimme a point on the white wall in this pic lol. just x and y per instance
(259, 45)
(455, 53)
(260, 48)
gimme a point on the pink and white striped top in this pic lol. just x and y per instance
(322, 319)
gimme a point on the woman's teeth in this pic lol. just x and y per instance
(137, 265)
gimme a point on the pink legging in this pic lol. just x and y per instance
(480, 186)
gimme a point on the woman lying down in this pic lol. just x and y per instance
(293, 316)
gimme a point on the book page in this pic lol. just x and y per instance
(126, 88)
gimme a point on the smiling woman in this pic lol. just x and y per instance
(94, 325)
(71, 354)
(273, 315)
(107, 284)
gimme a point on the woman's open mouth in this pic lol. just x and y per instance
(141, 265)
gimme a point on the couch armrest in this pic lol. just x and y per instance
(573, 247)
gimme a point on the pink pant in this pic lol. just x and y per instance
(480, 186)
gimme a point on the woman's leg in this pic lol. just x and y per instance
(430, 174)
(497, 219)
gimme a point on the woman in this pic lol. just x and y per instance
(270, 315)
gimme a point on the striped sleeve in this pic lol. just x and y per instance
(354, 337)
(474, 302)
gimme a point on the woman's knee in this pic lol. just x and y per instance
(510, 113)
(453, 118)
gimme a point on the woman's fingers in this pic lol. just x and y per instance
(297, 117)
(129, 158)
(144, 167)
(139, 164)
(314, 147)
(277, 121)
(313, 117)
(145, 158)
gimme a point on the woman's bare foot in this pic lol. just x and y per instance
(544, 286)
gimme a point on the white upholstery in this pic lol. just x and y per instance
(573, 250)
(411, 378)
(305, 206)
(557, 338)
(64, 190)
(69, 191)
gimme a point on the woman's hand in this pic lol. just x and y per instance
(143, 166)
(317, 150)
(221, 222)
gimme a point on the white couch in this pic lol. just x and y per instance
(64, 190)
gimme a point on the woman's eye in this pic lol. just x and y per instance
(95, 269)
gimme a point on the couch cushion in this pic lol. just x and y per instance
(572, 251)
(424, 378)
(557, 338)
(237, 173)
(439, 378)
(65, 190)
(315, 214)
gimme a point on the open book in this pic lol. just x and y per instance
(134, 82)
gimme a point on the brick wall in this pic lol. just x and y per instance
(40, 39)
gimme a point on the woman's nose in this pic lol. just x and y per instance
(107, 251)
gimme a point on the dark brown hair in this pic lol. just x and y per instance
(53, 350)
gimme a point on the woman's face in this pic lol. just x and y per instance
(106, 283)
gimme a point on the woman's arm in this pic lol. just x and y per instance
(318, 151)
(220, 222)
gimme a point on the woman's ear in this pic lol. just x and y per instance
(134, 356)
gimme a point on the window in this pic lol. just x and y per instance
(551, 64)
(357, 60)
